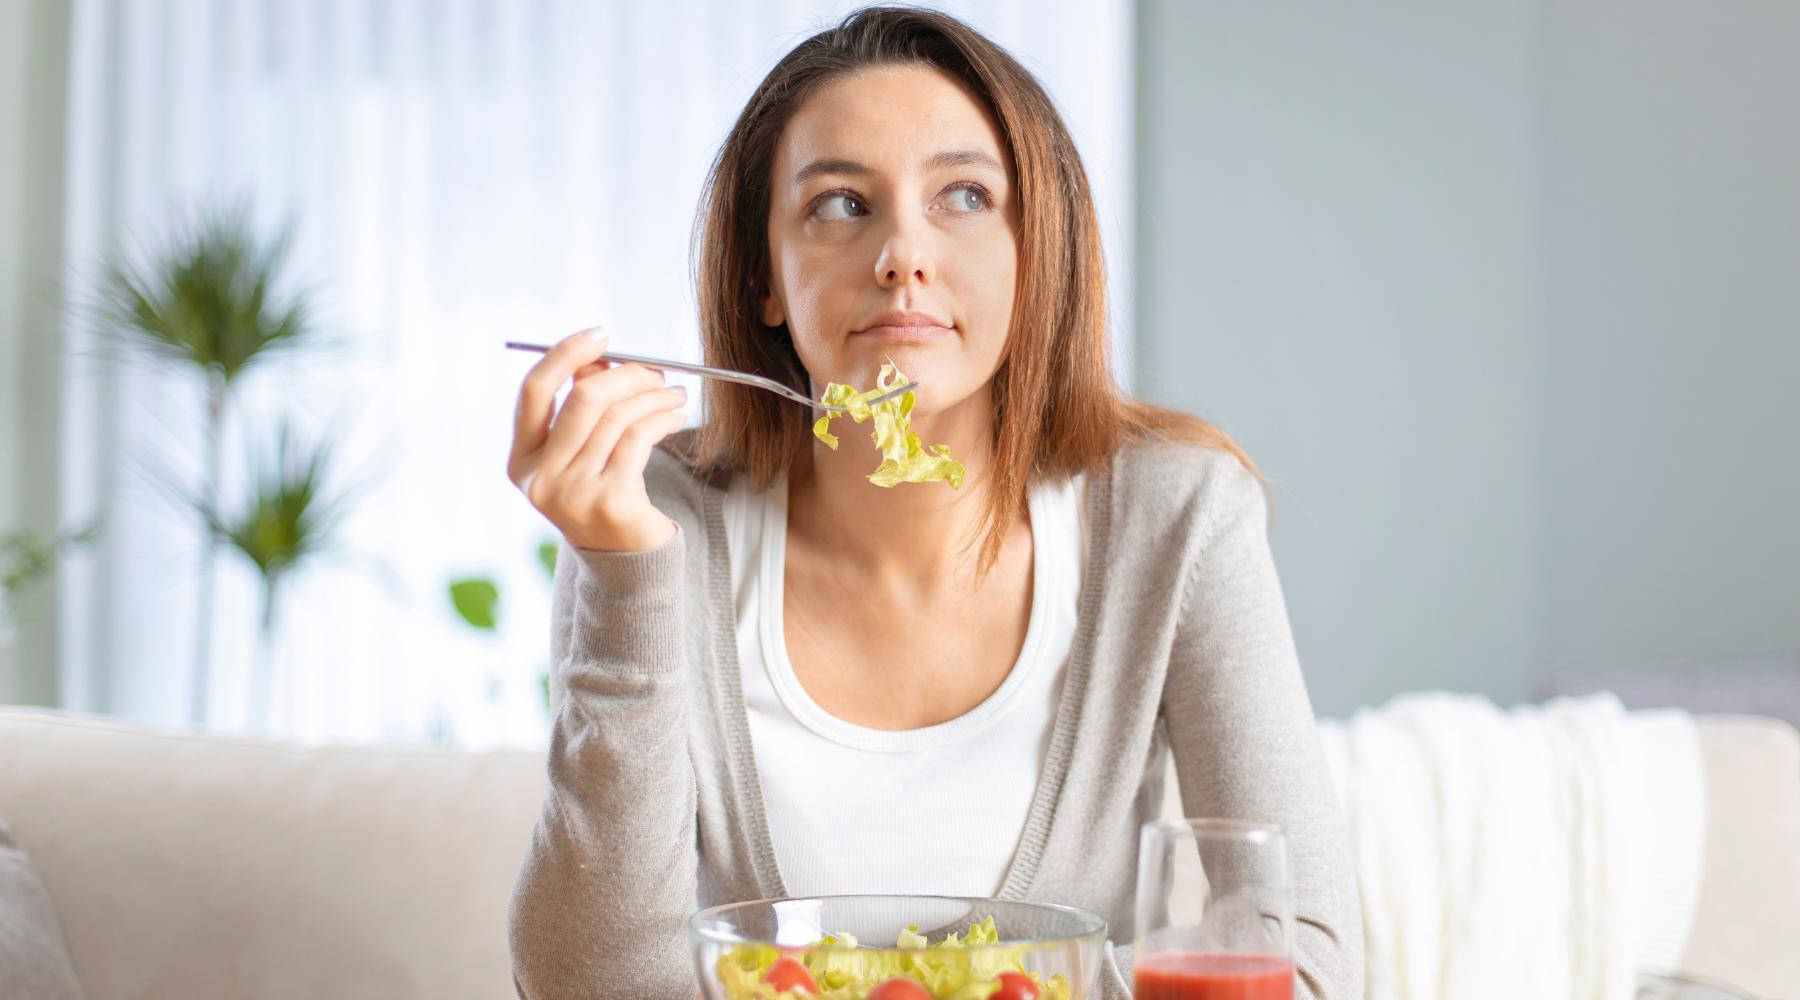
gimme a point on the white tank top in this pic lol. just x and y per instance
(932, 810)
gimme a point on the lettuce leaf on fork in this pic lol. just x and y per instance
(904, 458)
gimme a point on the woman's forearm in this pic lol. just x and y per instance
(609, 878)
(1245, 740)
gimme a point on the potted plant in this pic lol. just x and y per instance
(214, 302)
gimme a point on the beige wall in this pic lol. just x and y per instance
(34, 43)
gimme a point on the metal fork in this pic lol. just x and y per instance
(723, 375)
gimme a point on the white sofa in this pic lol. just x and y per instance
(187, 866)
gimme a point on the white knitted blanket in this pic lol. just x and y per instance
(1546, 851)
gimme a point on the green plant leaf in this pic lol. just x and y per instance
(286, 518)
(208, 297)
(25, 556)
(477, 600)
(547, 557)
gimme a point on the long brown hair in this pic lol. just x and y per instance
(1057, 409)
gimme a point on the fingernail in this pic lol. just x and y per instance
(683, 390)
(594, 333)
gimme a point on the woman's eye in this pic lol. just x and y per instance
(968, 199)
(839, 206)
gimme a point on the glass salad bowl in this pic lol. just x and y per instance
(896, 948)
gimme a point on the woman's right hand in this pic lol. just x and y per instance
(584, 469)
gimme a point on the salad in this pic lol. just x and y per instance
(904, 459)
(965, 966)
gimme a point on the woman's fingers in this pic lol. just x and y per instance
(612, 425)
(582, 465)
(587, 404)
(537, 393)
(633, 450)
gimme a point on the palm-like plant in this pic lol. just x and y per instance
(26, 557)
(210, 303)
(284, 522)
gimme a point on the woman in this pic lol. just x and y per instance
(773, 678)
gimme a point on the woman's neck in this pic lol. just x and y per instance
(920, 532)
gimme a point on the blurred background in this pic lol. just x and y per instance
(1504, 299)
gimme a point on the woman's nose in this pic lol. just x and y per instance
(904, 260)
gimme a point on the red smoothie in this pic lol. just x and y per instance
(1186, 975)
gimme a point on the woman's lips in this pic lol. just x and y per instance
(911, 334)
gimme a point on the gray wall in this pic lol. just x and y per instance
(1495, 298)
(1672, 383)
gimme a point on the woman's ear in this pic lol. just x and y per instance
(772, 312)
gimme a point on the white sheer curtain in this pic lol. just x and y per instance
(458, 173)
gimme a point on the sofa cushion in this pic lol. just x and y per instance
(191, 866)
(31, 945)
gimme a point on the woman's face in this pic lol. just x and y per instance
(893, 234)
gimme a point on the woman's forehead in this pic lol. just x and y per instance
(893, 119)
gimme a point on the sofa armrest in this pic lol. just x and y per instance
(1747, 919)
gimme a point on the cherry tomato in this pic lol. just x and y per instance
(789, 974)
(898, 988)
(1015, 986)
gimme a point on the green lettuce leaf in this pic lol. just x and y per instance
(963, 966)
(904, 458)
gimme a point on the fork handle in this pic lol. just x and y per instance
(725, 375)
(704, 371)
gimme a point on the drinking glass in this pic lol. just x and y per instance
(1215, 912)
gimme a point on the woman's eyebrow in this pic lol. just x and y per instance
(818, 167)
(938, 161)
(962, 158)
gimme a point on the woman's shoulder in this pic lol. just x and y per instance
(1182, 478)
(1171, 502)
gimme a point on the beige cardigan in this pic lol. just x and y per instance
(1183, 645)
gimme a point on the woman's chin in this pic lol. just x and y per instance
(946, 398)
(941, 384)
(908, 357)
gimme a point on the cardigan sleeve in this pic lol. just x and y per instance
(599, 907)
(1242, 730)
